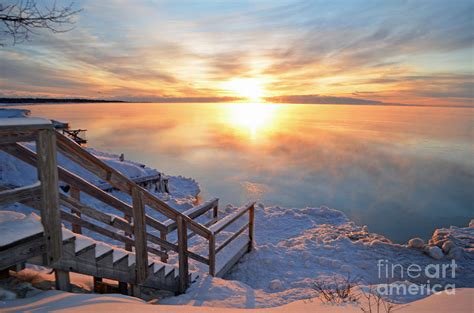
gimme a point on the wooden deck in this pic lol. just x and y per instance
(141, 261)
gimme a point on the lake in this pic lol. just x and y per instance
(403, 171)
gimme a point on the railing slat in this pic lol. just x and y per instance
(231, 238)
(19, 194)
(193, 212)
(72, 179)
(226, 221)
(105, 218)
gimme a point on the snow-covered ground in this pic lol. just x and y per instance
(295, 249)
(58, 301)
(13, 113)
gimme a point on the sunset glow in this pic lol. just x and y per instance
(251, 52)
(247, 88)
(252, 119)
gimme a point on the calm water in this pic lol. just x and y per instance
(400, 170)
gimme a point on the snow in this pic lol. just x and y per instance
(15, 226)
(298, 247)
(59, 301)
(9, 113)
(23, 121)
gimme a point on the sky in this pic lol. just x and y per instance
(414, 52)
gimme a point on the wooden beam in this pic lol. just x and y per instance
(226, 221)
(212, 255)
(251, 227)
(183, 255)
(28, 156)
(21, 251)
(193, 212)
(139, 231)
(12, 137)
(163, 237)
(31, 192)
(48, 175)
(102, 217)
(232, 237)
(76, 195)
(63, 281)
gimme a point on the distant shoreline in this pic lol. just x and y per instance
(34, 101)
(54, 100)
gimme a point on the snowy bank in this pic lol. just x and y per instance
(59, 301)
(13, 113)
(296, 248)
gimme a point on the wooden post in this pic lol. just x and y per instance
(212, 255)
(163, 236)
(139, 229)
(183, 254)
(76, 195)
(63, 281)
(215, 211)
(123, 287)
(128, 246)
(251, 226)
(96, 282)
(48, 175)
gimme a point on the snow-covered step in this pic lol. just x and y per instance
(157, 267)
(118, 254)
(82, 243)
(101, 249)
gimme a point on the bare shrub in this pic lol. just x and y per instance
(375, 302)
(343, 290)
(338, 291)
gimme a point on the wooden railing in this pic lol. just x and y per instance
(45, 193)
(131, 229)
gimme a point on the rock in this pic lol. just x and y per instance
(6, 295)
(471, 223)
(448, 245)
(436, 253)
(416, 243)
(440, 242)
(455, 253)
(426, 249)
(275, 285)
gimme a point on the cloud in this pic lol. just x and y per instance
(317, 99)
(171, 49)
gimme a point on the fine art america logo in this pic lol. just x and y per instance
(393, 271)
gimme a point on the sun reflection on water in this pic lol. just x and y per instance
(252, 119)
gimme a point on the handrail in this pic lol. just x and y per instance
(80, 156)
(28, 156)
(114, 221)
(226, 221)
(193, 212)
(180, 221)
(20, 193)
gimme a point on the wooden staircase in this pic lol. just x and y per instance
(86, 256)
(141, 261)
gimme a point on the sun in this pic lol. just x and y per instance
(248, 88)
